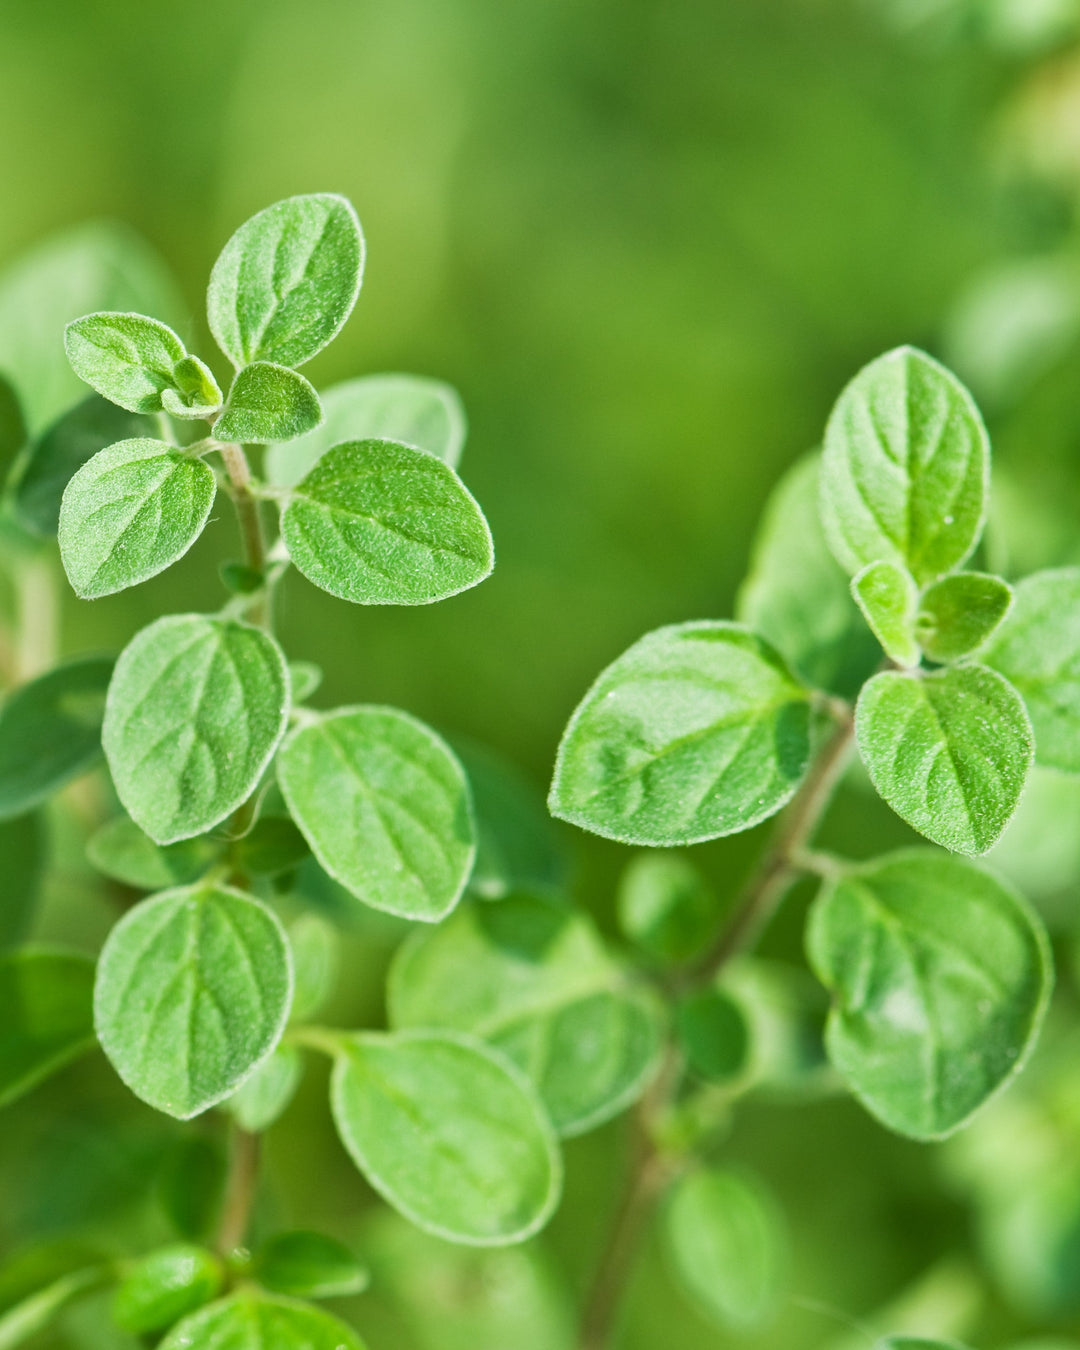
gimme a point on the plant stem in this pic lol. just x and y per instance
(37, 620)
(239, 1191)
(249, 517)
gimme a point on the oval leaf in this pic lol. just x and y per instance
(905, 474)
(268, 403)
(127, 358)
(380, 523)
(950, 752)
(940, 975)
(666, 907)
(50, 732)
(266, 1095)
(888, 599)
(129, 513)
(250, 1320)
(164, 1286)
(193, 990)
(407, 408)
(196, 394)
(385, 807)
(46, 1015)
(308, 1265)
(119, 849)
(449, 1134)
(195, 711)
(287, 280)
(959, 613)
(698, 731)
(714, 1035)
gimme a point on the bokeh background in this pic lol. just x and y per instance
(648, 240)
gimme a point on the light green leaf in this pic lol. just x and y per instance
(314, 944)
(40, 1309)
(949, 751)
(449, 1133)
(889, 599)
(22, 848)
(250, 1320)
(666, 906)
(714, 1035)
(308, 1265)
(129, 513)
(306, 677)
(287, 280)
(127, 358)
(797, 596)
(268, 403)
(46, 1017)
(119, 849)
(48, 464)
(408, 408)
(385, 807)
(266, 1094)
(380, 523)
(940, 975)
(196, 393)
(50, 732)
(1037, 649)
(193, 990)
(959, 613)
(164, 1286)
(905, 475)
(727, 1243)
(698, 731)
(195, 711)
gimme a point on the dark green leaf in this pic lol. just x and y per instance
(665, 906)
(308, 1265)
(22, 848)
(714, 1035)
(272, 845)
(191, 1185)
(126, 358)
(268, 403)
(46, 1015)
(13, 432)
(888, 599)
(164, 1286)
(250, 1320)
(959, 612)
(119, 849)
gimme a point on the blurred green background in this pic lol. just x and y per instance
(648, 240)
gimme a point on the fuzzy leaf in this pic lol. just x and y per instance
(448, 1133)
(407, 408)
(268, 403)
(129, 513)
(287, 280)
(50, 732)
(251, 1320)
(193, 990)
(905, 474)
(959, 613)
(46, 1015)
(698, 731)
(127, 358)
(265, 1095)
(195, 711)
(308, 1265)
(164, 1286)
(385, 807)
(888, 599)
(196, 393)
(665, 906)
(940, 975)
(950, 752)
(380, 523)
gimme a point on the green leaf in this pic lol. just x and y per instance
(40, 1309)
(306, 677)
(542, 989)
(268, 403)
(796, 594)
(698, 731)
(46, 1016)
(665, 906)
(42, 474)
(266, 1095)
(13, 432)
(22, 847)
(407, 408)
(889, 600)
(191, 1185)
(250, 1320)
(196, 393)
(916, 1343)
(714, 1035)
(385, 807)
(905, 474)
(196, 709)
(727, 1243)
(127, 358)
(959, 613)
(314, 946)
(273, 845)
(50, 732)
(308, 1265)
(380, 523)
(193, 990)
(449, 1133)
(1037, 649)
(164, 1286)
(133, 510)
(287, 280)
(940, 975)
(119, 849)
(949, 751)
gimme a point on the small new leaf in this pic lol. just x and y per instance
(127, 358)
(196, 394)
(286, 281)
(959, 613)
(950, 752)
(449, 1133)
(46, 1011)
(699, 730)
(381, 523)
(129, 513)
(193, 990)
(268, 403)
(905, 474)
(888, 599)
(195, 711)
(385, 806)
(665, 906)
(265, 1095)
(308, 1265)
(252, 1320)
(164, 1286)
(940, 975)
